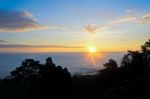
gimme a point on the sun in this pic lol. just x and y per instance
(92, 49)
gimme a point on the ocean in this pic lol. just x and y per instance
(77, 63)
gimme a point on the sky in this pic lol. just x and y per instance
(73, 25)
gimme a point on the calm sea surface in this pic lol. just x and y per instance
(76, 63)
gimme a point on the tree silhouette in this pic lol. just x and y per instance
(133, 58)
(146, 46)
(47, 76)
(28, 70)
(33, 70)
(146, 53)
(50, 71)
(138, 59)
(111, 64)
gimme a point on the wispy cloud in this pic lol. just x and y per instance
(124, 20)
(133, 19)
(36, 46)
(58, 27)
(17, 21)
(144, 19)
(92, 28)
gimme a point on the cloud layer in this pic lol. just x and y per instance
(17, 21)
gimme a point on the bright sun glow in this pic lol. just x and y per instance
(92, 49)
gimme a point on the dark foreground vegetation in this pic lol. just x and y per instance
(33, 80)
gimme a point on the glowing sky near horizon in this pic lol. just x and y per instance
(73, 25)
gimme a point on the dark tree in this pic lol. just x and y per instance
(28, 70)
(46, 80)
(50, 71)
(146, 52)
(133, 58)
(138, 59)
(111, 64)
(146, 46)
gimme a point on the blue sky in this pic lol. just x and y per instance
(73, 25)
